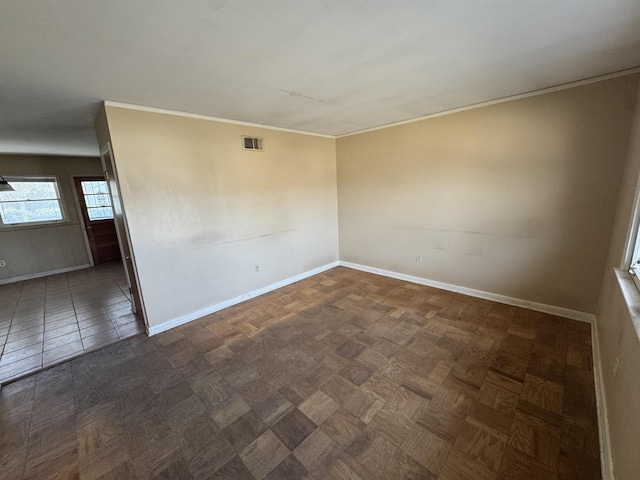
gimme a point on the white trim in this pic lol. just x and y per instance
(519, 96)
(36, 177)
(33, 225)
(43, 274)
(123, 237)
(494, 297)
(154, 329)
(631, 297)
(633, 245)
(197, 116)
(632, 231)
(604, 434)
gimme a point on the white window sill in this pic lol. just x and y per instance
(26, 226)
(631, 297)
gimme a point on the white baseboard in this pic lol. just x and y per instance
(43, 274)
(606, 456)
(169, 324)
(516, 302)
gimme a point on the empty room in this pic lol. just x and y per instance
(320, 239)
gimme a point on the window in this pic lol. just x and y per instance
(634, 268)
(632, 255)
(35, 200)
(97, 200)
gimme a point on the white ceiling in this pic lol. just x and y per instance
(324, 66)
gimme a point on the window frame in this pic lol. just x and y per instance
(634, 268)
(87, 208)
(631, 260)
(38, 178)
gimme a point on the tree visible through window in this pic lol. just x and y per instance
(33, 201)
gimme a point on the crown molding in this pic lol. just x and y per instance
(197, 116)
(519, 96)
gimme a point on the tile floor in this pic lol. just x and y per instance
(47, 320)
(344, 375)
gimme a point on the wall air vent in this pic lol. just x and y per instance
(251, 143)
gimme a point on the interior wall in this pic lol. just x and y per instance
(203, 213)
(618, 339)
(34, 250)
(515, 199)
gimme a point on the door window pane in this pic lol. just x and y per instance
(97, 200)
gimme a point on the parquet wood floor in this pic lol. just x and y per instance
(345, 375)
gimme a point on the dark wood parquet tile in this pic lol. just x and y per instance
(344, 428)
(356, 373)
(440, 422)
(293, 428)
(426, 448)
(519, 466)
(460, 467)
(391, 427)
(405, 467)
(317, 451)
(244, 430)
(234, 468)
(542, 444)
(481, 444)
(374, 453)
(318, 407)
(344, 375)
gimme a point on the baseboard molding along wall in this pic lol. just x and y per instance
(169, 324)
(540, 307)
(516, 302)
(43, 274)
(606, 455)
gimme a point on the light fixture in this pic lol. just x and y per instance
(4, 185)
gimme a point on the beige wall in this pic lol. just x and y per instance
(617, 336)
(202, 212)
(34, 250)
(515, 199)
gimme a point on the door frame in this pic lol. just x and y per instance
(78, 212)
(124, 238)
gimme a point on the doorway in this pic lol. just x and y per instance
(54, 318)
(122, 231)
(97, 213)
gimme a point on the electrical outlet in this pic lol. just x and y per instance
(616, 366)
(3, 263)
(257, 268)
(418, 258)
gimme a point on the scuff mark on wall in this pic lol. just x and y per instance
(255, 237)
(468, 232)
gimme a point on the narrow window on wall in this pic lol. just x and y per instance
(634, 268)
(35, 200)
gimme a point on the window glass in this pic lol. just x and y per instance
(33, 201)
(97, 200)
